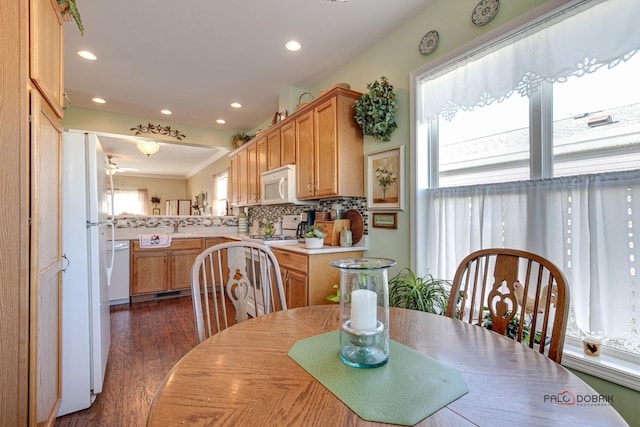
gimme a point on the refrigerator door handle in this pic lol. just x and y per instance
(113, 252)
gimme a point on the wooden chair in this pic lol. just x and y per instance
(240, 277)
(497, 288)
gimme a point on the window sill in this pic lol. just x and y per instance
(607, 366)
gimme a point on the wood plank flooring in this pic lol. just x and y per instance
(147, 340)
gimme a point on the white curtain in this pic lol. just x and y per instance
(588, 225)
(602, 35)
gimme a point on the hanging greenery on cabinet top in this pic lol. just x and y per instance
(69, 10)
(375, 111)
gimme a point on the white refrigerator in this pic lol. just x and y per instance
(87, 236)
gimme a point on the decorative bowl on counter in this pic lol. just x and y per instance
(313, 242)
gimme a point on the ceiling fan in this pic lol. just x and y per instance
(114, 168)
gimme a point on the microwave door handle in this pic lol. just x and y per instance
(281, 188)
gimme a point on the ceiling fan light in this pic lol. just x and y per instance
(147, 147)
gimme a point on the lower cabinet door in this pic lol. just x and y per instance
(149, 272)
(296, 291)
(181, 263)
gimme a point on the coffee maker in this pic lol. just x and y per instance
(307, 219)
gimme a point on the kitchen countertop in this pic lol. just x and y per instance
(231, 233)
(183, 232)
(300, 248)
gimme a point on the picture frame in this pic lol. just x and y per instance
(385, 220)
(385, 179)
(156, 211)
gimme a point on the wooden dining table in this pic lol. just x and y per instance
(242, 376)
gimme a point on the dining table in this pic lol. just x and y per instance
(243, 376)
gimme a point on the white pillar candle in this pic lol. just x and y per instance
(363, 309)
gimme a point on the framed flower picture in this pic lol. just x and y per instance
(385, 179)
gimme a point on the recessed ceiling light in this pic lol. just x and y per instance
(292, 45)
(221, 121)
(98, 100)
(236, 105)
(87, 55)
(167, 112)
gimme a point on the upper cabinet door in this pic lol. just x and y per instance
(326, 149)
(288, 143)
(273, 149)
(305, 184)
(45, 57)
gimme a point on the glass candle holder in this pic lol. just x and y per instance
(364, 311)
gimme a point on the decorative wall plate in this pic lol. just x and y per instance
(429, 42)
(485, 11)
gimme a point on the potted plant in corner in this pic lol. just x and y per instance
(314, 237)
(406, 290)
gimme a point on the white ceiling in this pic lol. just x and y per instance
(196, 57)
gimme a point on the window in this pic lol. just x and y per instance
(128, 201)
(541, 155)
(220, 194)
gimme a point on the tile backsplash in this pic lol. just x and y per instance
(275, 212)
(261, 213)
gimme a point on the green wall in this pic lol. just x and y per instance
(625, 400)
(395, 57)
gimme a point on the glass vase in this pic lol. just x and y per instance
(364, 311)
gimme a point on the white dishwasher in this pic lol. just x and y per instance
(119, 289)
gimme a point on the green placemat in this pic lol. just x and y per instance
(407, 389)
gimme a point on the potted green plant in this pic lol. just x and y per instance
(239, 138)
(69, 9)
(314, 237)
(406, 290)
(375, 111)
(334, 297)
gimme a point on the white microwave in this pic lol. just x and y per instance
(279, 186)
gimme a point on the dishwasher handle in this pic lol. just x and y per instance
(121, 246)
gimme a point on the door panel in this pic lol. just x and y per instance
(326, 149)
(305, 162)
(46, 265)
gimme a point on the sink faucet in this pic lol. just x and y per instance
(176, 224)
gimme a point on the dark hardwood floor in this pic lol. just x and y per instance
(147, 340)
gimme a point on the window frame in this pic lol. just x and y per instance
(613, 365)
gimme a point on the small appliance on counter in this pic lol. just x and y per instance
(307, 219)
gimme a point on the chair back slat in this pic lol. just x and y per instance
(232, 281)
(514, 293)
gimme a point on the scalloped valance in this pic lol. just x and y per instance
(576, 41)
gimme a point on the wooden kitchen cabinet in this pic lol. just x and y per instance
(293, 269)
(288, 143)
(149, 272)
(273, 150)
(234, 184)
(332, 158)
(263, 158)
(252, 174)
(181, 262)
(158, 270)
(45, 61)
(41, 107)
(305, 160)
(243, 178)
(309, 279)
(322, 139)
